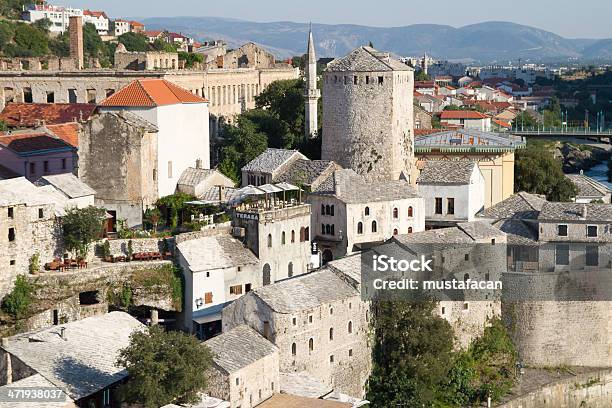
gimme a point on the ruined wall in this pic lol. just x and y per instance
(248, 56)
(144, 61)
(367, 122)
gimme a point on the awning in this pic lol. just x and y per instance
(287, 187)
(271, 188)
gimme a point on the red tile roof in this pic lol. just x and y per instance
(467, 114)
(136, 24)
(68, 132)
(96, 14)
(32, 141)
(153, 33)
(33, 114)
(502, 123)
(425, 132)
(151, 92)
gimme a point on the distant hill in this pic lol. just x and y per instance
(484, 42)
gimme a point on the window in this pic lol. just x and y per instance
(32, 168)
(290, 269)
(154, 174)
(395, 213)
(355, 80)
(63, 164)
(236, 290)
(443, 310)
(591, 230)
(41, 213)
(11, 212)
(592, 255)
(327, 210)
(247, 288)
(562, 230)
(72, 96)
(302, 234)
(360, 227)
(323, 209)
(294, 321)
(91, 96)
(283, 238)
(438, 205)
(466, 257)
(50, 97)
(310, 345)
(328, 229)
(11, 234)
(466, 306)
(331, 333)
(293, 349)
(450, 205)
(374, 226)
(367, 211)
(169, 169)
(292, 236)
(323, 229)
(208, 297)
(562, 254)
(12, 262)
(332, 232)
(395, 231)
(410, 230)
(380, 80)
(350, 327)
(350, 352)
(309, 318)
(332, 210)
(466, 277)
(46, 166)
(331, 311)
(27, 95)
(237, 381)
(269, 240)
(410, 212)
(367, 79)
(331, 358)
(307, 233)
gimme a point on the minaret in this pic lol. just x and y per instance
(424, 64)
(311, 92)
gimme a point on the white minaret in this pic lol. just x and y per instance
(311, 92)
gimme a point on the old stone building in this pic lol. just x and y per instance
(557, 289)
(144, 61)
(319, 324)
(118, 158)
(589, 190)
(453, 192)
(368, 115)
(493, 152)
(198, 182)
(249, 55)
(245, 368)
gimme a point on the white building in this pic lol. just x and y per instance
(182, 122)
(453, 192)
(76, 192)
(467, 119)
(98, 19)
(58, 15)
(121, 27)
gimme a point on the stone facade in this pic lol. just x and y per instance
(75, 29)
(145, 61)
(368, 114)
(249, 55)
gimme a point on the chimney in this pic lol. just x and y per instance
(220, 193)
(584, 212)
(198, 163)
(75, 27)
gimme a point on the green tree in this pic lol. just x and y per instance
(164, 367)
(81, 227)
(30, 41)
(163, 45)
(286, 100)
(174, 207)
(43, 24)
(153, 216)
(60, 45)
(412, 354)
(16, 303)
(12, 8)
(537, 171)
(134, 41)
(552, 114)
(242, 143)
(421, 76)
(7, 32)
(190, 58)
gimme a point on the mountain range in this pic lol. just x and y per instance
(486, 42)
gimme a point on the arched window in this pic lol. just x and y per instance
(466, 276)
(410, 211)
(327, 210)
(350, 327)
(332, 210)
(395, 231)
(290, 269)
(322, 209)
(410, 230)
(331, 333)
(367, 211)
(267, 273)
(307, 234)
(332, 230)
(327, 229)
(323, 229)
(283, 238)
(293, 349)
(395, 213)
(292, 236)
(302, 234)
(269, 240)
(360, 227)
(374, 226)
(310, 344)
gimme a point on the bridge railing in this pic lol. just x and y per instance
(542, 130)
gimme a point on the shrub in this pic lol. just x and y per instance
(35, 263)
(17, 302)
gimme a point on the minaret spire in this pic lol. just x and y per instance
(311, 93)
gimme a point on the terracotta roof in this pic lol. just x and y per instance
(136, 23)
(30, 142)
(502, 123)
(32, 114)
(68, 132)
(153, 33)
(424, 132)
(295, 401)
(96, 14)
(151, 92)
(457, 114)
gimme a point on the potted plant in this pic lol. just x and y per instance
(130, 250)
(106, 253)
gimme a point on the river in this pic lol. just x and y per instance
(599, 173)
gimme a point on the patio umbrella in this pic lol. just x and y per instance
(287, 187)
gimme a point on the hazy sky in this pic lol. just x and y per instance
(569, 18)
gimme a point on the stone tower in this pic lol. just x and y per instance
(75, 28)
(367, 115)
(311, 92)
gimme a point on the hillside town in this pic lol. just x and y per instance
(183, 224)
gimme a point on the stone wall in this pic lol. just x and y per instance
(144, 61)
(248, 56)
(592, 389)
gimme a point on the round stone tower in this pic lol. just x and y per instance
(368, 114)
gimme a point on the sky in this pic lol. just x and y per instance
(568, 18)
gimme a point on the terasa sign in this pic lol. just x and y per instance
(384, 263)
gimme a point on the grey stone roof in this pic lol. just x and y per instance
(212, 194)
(588, 187)
(67, 183)
(83, 362)
(303, 384)
(446, 172)
(271, 159)
(521, 205)
(518, 232)
(366, 59)
(215, 252)
(305, 292)
(352, 188)
(35, 381)
(239, 348)
(349, 266)
(469, 138)
(306, 172)
(465, 232)
(479, 230)
(192, 176)
(576, 212)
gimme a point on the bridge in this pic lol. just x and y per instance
(564, 132)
